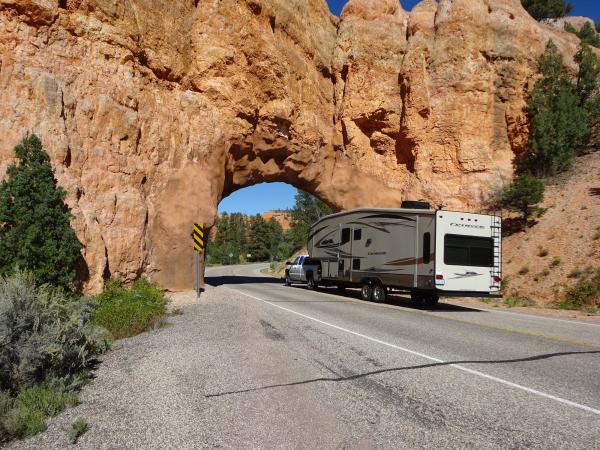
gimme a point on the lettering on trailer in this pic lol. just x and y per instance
(466, 225)
(198, 236)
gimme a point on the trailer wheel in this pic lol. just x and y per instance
(288, 281)
(417, 298)
(310, 282)
(379, 293)
(431, 300)
(366, 292)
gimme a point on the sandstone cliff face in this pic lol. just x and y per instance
(153, 111)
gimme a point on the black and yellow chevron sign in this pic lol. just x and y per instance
(198, 236)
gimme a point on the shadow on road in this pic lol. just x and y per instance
(398, 369)
(233, 279)
(402, 300)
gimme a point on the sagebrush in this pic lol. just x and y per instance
(45, 334)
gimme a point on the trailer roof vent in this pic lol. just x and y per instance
(412, 204)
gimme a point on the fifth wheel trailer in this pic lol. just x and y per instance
(429, 253)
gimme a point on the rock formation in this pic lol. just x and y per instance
(154, 110)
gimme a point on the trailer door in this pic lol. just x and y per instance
(425, 258)
(345, 253)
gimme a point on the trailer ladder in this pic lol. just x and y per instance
(496, 270)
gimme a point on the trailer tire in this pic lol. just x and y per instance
(417, 298)
(366, 291)
(431, 300)
(310, 282)
(379, 293)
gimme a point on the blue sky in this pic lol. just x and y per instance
(259, 198)
(588, 8)
(268, 196)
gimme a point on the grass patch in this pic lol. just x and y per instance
(555, 262)
(585, 294)
(125, 313)
(596, 234)
(79, 427)
(516, 301)
(524, 270)
(488, 300)
(26, 414)
(176, 312)
(542, 251)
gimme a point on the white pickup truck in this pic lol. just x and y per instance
(303, 269)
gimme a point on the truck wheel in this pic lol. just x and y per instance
(366, 292)
(431, 300)
(288, 281)
(379, 293)
(310, 283)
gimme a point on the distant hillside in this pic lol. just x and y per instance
(284, 218)
(541, 263)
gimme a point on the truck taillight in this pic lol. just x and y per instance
(497, 279)
(439, 276)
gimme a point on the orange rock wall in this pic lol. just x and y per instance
(154, 110)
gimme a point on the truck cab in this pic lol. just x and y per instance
(303, 269)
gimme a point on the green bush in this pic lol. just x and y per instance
(45, 334)
(584, 294)
(26, 414)
(125, 313)
(78, 427)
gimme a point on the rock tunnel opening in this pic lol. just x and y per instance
(262, 222)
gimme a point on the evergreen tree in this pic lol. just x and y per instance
(588, 90)
(307, 210)
(522, 195)
(547, 9)
(259, 239)
(587, 34)
(35, 232)
(559, 125)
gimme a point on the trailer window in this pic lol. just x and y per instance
(358, 234)
(426, 248)
(356, 264)
(345, 235)
(468, 251)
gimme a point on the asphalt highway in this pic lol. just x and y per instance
(395, 376)
(256, 364)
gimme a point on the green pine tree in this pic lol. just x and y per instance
(35, 230)
(588, 90)
(587, 34)
(559, 123)
(306, 211)
(259, 239)
(522, 195)
(547, 9)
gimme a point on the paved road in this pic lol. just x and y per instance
(395, 375)
(255, 364)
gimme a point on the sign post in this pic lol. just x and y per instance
(198, 237)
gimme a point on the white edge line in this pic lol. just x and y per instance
(431, 358)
